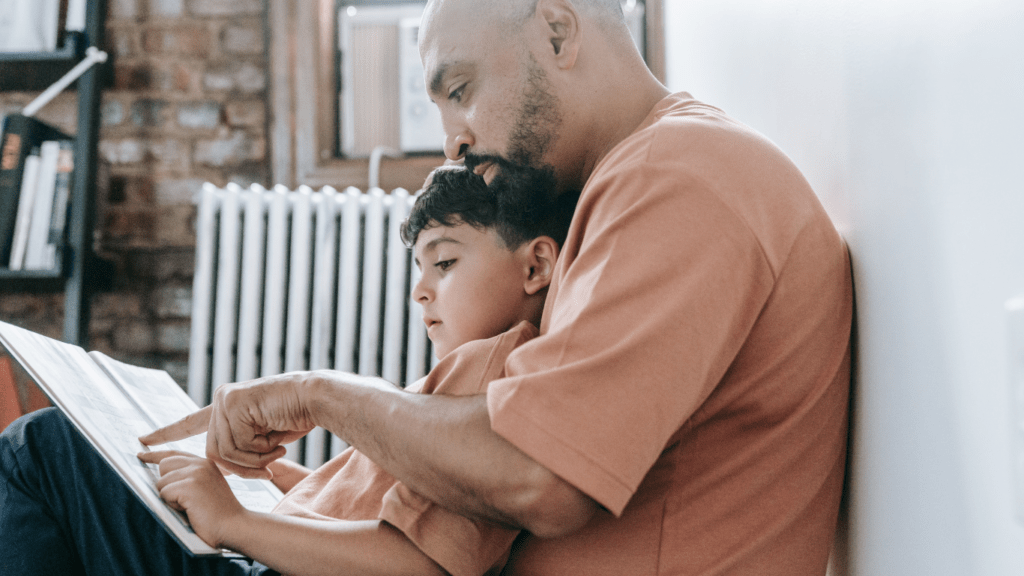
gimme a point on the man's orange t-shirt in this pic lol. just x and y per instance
(351, 487)
(692, 372)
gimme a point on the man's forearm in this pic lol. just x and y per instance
(443, 448)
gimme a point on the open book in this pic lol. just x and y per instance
(112, 404)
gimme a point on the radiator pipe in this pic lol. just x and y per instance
(375, 156)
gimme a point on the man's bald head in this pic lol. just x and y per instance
(547, 84)
(509, 15)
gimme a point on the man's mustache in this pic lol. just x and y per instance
(471, 161)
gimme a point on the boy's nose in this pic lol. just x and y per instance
(420, 292)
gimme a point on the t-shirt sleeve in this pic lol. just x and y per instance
(644, 321)
(460, 545)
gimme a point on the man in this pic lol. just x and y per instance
(684, 410)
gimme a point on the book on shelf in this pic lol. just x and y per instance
(23, 219)
(37, 256)
(112, 404)
(30, 25)
(61, 194)
(20, 135)
(74, 19)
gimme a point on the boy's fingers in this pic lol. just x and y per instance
(151, 457)
(155, 456)
(195, 423)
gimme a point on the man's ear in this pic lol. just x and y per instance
(562, 30)
(540, 253)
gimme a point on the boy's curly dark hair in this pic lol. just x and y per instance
(455, 195)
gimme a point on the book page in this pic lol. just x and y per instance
(106, 417)
(163, 402)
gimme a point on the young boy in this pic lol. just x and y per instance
(485, 269)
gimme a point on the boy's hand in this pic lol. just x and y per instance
(196, 486)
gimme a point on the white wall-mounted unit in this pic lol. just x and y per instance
(383, 100)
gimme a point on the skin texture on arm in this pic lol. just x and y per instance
(288, 544)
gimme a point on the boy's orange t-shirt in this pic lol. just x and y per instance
(692, 372)
(351, 487)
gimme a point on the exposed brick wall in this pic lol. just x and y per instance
(187, 105)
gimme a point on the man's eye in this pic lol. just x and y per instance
(456, 94)
(444, 265)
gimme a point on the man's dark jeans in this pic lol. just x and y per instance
(64, 511)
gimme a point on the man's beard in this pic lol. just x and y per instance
(523, 181)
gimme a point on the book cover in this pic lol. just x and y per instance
(112, 404)
(20, 134)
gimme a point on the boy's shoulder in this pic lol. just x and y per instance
(471, 367)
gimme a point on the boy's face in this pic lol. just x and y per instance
(471, 285)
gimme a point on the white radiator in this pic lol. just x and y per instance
(295, 280)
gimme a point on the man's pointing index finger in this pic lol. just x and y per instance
(195, 423)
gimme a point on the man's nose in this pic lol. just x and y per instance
(457, 144)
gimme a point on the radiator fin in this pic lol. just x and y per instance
(291, 280)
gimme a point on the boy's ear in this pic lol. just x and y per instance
(541, 253)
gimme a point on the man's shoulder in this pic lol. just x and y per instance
(681, 131)
(688, 156)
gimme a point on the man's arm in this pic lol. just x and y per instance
(439, 446)
(443, 448)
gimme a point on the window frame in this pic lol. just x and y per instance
(304, 100)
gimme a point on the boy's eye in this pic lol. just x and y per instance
(444, 265)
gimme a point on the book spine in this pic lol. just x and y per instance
(61, 196)
(42, 207)
(29, 180)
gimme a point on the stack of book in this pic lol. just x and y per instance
(36, 163)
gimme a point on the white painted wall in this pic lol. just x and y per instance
(907, 116)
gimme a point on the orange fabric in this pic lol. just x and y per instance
(10, 406)
(692, 373)
(351, 487)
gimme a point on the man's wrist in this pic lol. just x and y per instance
(333, 399)
(313, 392)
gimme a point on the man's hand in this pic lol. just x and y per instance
(247, 424)
(196, 486)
